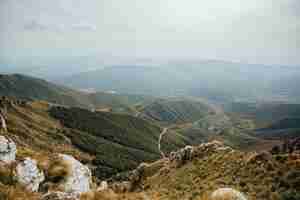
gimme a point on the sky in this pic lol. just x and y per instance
(37, 32)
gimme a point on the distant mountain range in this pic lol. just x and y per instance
(217, 80)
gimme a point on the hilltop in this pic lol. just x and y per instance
(30, 88)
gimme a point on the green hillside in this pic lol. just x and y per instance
(124, 103)
(264, 114)
(110, 142)
(30, 88)
(120, 142)
(26, 87)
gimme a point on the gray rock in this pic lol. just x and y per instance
(227, 194)
(29, 175)
(103, 186)
(180, 157)
(79, 179)
(8, 150)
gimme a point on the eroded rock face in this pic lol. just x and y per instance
(8, 150)
(79, 179)
(29, 175)
(61, 196)
(227, 194)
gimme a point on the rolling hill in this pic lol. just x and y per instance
(265, 113)
(30, 88)
(175, 111)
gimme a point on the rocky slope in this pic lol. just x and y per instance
(210, 171)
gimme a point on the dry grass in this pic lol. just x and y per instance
(17, 193)
(7, 173)
(110, 195)
(56, 169)
(259, 179)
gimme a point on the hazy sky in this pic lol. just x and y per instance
(255, 31)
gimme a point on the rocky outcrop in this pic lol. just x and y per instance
(7, 150)
(129, 181)
(29, 175)
(179, 158)
(227, 194)
(79, 178)
(121, 187)
(61, 196)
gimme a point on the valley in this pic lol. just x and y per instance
(113, 133)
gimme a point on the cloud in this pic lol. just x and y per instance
(35, 26)
(83, 27)
(39, 26)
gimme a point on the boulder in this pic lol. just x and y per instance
(8, 150)
(103, 186)
(79, 178)
(29, 175)
(227, 194)
(61, 196)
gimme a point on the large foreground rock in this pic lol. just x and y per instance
(29, 175)
(79, 178)
(227, 194)
(7, 150)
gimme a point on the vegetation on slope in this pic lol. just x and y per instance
(175, 111)
(112, 142)
(119, 142)
(30, 88)
(120, 103)
(264, 114)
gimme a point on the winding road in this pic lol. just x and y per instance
(165, 130)
(3, 123)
